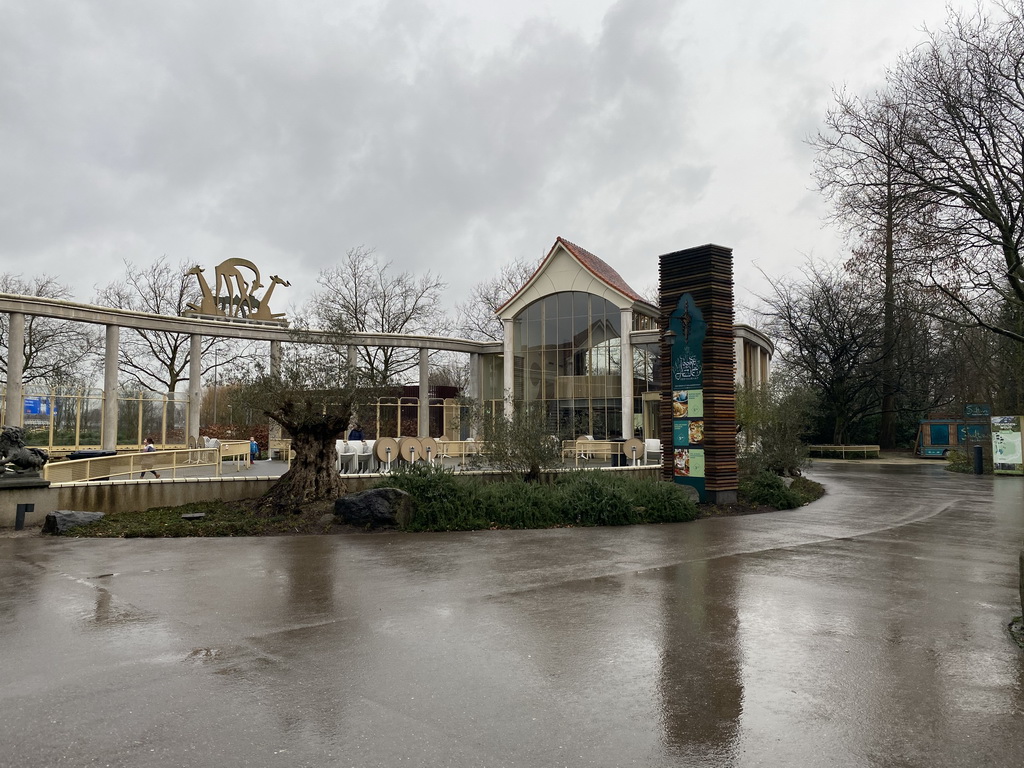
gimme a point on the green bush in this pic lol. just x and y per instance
(593, 498)
(963, 462)
(443, 502)
(446, 502)
(774, 419)
(806, 490)
(518, 504)
(768, 489)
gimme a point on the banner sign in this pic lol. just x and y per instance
(1007, 458)
(687, 322)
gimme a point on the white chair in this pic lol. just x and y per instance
(346, 452)
(363, 460)
(653, 451)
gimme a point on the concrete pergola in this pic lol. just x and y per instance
(17, 307)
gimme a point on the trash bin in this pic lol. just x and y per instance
(618, 457)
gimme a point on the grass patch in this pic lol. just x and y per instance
(235, 518)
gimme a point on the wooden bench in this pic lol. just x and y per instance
(843, 450)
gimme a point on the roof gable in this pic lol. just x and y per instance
(593, 266)
(600, 269)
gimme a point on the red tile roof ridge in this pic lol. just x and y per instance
(596, 266)
(600, 269)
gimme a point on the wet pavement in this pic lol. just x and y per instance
(867, 629)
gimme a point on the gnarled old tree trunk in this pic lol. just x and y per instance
(313, 475)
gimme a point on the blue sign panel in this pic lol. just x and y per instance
(688, 324)
(37, 406)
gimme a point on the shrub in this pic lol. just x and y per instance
(768, 489)
(806, 490)
(773, 419)
(447, 502)
(520, 443)
(592, 498)
(443, 502)
(518, 504)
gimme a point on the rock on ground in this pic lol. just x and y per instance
(375, 508)
(60, 521)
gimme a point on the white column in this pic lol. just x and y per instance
(740, 362)
(350, 360)
(475, 392)
(113, 341)
(424, 393)
(755, 375)
(14, 412)
(509, 377)
(626, 363)
(195, 383)
(274, 429)
(766, 363)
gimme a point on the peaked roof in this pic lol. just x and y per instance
(598, 268)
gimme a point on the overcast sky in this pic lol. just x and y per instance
(450, 135)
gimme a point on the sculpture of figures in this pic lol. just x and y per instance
(15, 456)
(234, 292)
(238, 292)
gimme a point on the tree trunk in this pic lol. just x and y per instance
(887, 425)
(313, 475)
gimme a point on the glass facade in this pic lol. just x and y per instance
(567, 352)
(646, 373)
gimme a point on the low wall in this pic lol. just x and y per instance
(44, 500)
(139, 495)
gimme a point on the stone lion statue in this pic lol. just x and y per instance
(14, 456)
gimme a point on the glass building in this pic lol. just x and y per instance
(582, 345)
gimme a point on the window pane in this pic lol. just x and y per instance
(580, 304)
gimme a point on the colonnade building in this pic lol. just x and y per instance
(579, 343)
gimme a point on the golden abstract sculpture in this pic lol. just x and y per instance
(234, 292)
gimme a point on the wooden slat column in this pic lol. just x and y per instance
(705, 273)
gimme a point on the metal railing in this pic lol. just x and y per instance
(126, 466)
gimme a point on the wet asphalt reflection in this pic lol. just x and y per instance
(867, 629)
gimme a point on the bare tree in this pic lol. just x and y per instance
(962, 93)
(829, 335)
(365, 295)
(56, 351)
(875, 204)
(158, 360)
(450, 370)
(829, 330)
(477, 316)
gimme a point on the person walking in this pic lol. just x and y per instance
(254, 451)
(148, 447)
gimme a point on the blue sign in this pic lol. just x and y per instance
(37, 406)
(688, 324)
